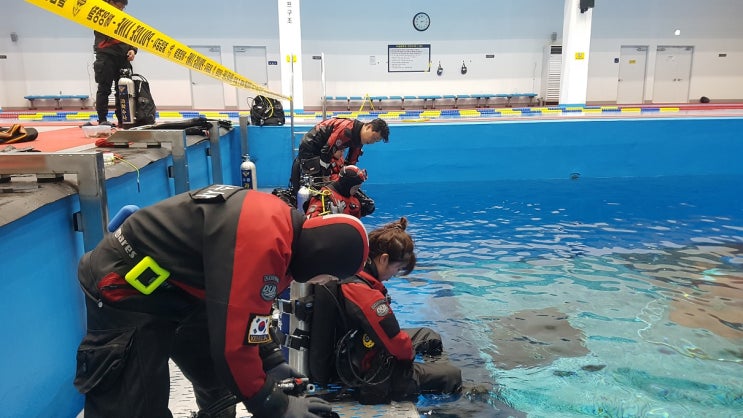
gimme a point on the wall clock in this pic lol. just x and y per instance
(421, 21)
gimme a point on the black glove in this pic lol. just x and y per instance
(367, 203)
(307, 408)
(432, 347)
(283, 371)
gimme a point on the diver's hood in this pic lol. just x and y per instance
(332, 244)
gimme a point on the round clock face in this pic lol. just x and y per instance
(421, 21)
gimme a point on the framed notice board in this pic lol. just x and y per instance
(409, 58)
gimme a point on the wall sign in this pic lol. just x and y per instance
(410, 58)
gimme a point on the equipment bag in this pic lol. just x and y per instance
(17, 133)
(145, 110)
(266, 111)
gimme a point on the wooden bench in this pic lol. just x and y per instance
(57, 98)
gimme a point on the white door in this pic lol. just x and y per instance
(631, 82)
(207, 93)
(251, 63)
(672, 74)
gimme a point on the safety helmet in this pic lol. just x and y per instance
(334, 244)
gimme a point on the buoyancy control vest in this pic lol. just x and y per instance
(336, 347)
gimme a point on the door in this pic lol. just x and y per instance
(672, 74)
(250, 62)
(207, 92)
(632, 67)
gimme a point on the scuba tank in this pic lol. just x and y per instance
(248, 174)
(125, 94)
(303, 195)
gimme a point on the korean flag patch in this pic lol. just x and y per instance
(258, 330)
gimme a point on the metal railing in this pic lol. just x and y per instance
(91, 183)
(157, 137)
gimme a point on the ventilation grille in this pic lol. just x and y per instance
(551, 69)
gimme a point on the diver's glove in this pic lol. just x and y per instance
(307, 408)
(367, 203)
(283, 371)
(272, 402)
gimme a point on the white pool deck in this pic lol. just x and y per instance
(183, 403)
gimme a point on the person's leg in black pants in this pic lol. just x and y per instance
(191, 354)
(122, 363)
(106, 72)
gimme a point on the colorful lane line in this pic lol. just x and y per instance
(403, 115)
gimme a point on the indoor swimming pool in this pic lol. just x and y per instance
(599, 297)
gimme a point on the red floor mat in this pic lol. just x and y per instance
(58, 140)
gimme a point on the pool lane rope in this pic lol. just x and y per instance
(107, 19)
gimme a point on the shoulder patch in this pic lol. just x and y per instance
(270, 287)
(216, 193)
(381, 307)
(257, 332)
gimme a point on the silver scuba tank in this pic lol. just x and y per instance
(303, 194)
(126, 95)
(248, 174)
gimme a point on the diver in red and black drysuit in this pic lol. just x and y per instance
(342, 195)
(376, 339)
(193, 278)
(319, 145)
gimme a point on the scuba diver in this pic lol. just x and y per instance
(356, 339)
(193, 278)
(342, 195)
(320, 145)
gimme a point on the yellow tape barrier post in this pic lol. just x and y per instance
(107, 19)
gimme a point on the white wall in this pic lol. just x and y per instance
(53, 54)
(711, 27)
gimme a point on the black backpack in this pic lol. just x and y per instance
(266, 111)
(145, 110)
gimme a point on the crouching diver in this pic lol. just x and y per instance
(365, 349)
(194, 278)
(342, 195)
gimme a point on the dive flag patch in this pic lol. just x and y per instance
(258, 330)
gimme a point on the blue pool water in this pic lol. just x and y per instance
(585, 297)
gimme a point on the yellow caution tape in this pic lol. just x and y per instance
(107, 19)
